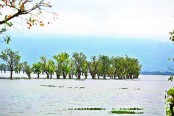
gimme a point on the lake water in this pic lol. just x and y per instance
(28, 97)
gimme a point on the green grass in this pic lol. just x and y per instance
(131, 108)
(127, 111)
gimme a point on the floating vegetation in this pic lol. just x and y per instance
(86, 108)
(129, 88)
(136, 88)
(60, 86)
(126, 111)
(48, 85)
(81, 87)
(123, 88)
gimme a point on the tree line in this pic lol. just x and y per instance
(64, 66)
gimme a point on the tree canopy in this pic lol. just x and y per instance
(11, 58)
(63, 65)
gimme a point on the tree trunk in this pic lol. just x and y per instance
(58, 76)
(11, 74)
(38, 75)
(92, 76)
(70, 76)
(78, 75)
(64, 75)
(104, 76)
(50, 76)
(86, 75)
(47, 75)
(29, 76)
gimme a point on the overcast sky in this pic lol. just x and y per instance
(147, 19)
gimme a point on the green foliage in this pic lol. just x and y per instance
(93, 66)
(3, 67)
(11, 58)
(28, 70)
(79, 59)
(170, 96)
(62, 64)
(127, 111)
(18, 68)
(50, 67)
(105, 64)
(37, 68)
(47, 66)
(101, 66)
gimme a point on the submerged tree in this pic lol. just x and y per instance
(3, 67)
(105, 64)
(11, 58)
(28, 70)
(71, 68)
(45, 67)
(18, 68)
(62, 64)
(37, 68)
(79, 59)
(93, 66)
(85, 68)
(51, 67)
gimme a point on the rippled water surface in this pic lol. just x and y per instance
(31, 97)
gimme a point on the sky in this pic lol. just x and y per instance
(143, 19)
(98, 27)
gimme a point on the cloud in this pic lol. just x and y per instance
(115, 18)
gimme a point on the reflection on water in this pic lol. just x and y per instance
(53, 97)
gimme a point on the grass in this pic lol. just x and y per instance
(127, 111)
(131, 108)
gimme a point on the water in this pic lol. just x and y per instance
(28, 97)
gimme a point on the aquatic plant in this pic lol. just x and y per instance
(126, 111)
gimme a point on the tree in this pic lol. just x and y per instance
(28, 70)
(170, 92)
(18, 68)
(37, 68)
(71, 68)
(105, 63)
(50, 67)
(85, 68)
(78, 58)
(45, 67)
(3, 67)
(93, 66)
(62, 64)
(33, 10)
(170, 100)
(23, 64)
(11, 58)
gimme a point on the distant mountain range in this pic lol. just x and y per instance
(153, 55)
